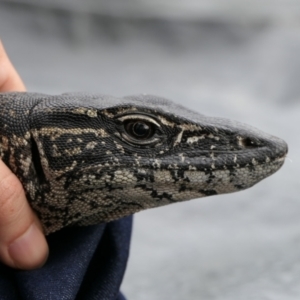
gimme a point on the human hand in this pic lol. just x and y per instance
(22, 242)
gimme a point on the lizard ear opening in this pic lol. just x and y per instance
(36, 161)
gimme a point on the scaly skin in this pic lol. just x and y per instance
(85, 159)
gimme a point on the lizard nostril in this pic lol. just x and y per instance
(247, 142)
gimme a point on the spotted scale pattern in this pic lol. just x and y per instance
(80, 164)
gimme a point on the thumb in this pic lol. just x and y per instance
(22, 242)
(9, 78)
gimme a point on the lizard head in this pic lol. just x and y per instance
(99, 158)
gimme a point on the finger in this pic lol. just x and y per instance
(22, 242)
(9, 78)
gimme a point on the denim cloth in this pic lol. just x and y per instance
(85, 263)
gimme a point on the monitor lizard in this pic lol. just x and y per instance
(85, 159)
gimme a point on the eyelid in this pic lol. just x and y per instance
(139, 117)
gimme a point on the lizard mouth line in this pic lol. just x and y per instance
(193, 167)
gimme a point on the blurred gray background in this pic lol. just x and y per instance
(234, 59)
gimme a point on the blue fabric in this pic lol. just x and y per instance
(85, 263)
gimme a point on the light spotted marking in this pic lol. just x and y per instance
(12, 161)
(72, 152)
(179, 137)
(44, 162)
(19, 141)
(268, 159)
(116, 160)
(195, 139)
(121, 176)
(212, 147)
(92, 113)
(108, 114)
(27, 135)
(40, 147)
(25, 164)
(91, 145)
(119, 147)
(235, 158)
(55, 151)
(182, 157)
(240, 141)
(56, 132)
(192, 168)
(173, 167)
(190, 127)
(254, 162)
(137, 161)
(165, 121)
(156, 163)
(120, 112)
(12, 113)
(70, 168)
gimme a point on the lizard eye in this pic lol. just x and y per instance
(140, 130)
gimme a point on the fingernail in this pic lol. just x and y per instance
(28, 250)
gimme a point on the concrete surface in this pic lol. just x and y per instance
(238, 246)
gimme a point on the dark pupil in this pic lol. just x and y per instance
(141, 130)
